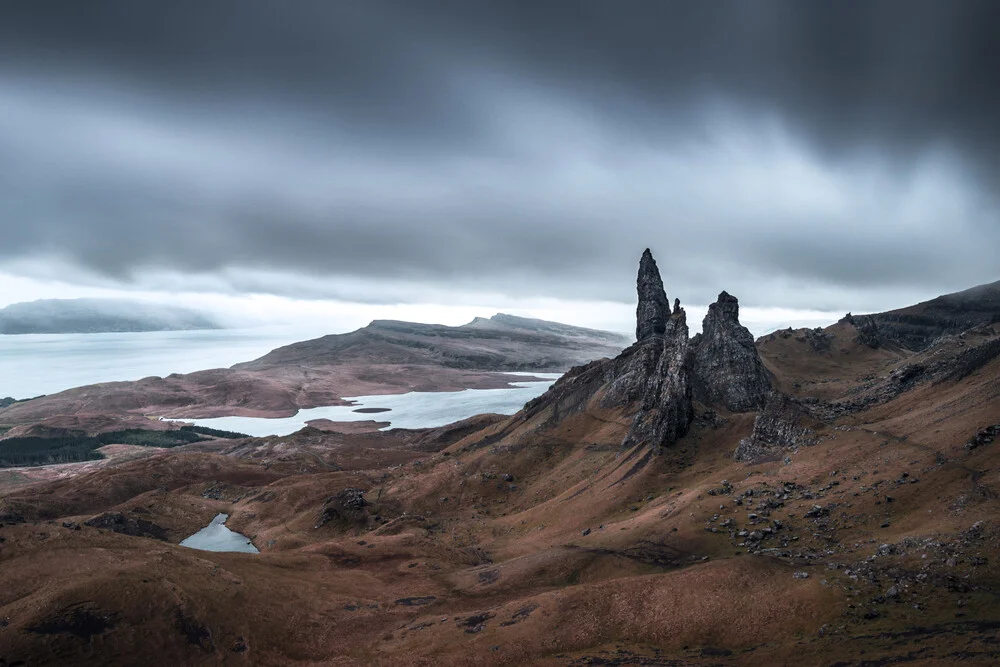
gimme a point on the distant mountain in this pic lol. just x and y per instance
(59, 316)
(500, 343)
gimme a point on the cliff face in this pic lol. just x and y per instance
(666, 410)
(727, 369)
(664, 372)
(917, 327)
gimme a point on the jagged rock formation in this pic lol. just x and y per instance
(868, 333)
(653, 311)
(666, 410)
(664, 371)
(727, 369)
(779, 427)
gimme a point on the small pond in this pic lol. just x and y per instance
(216, 537)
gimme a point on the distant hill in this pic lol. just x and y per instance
(500, 343)
(916, 327)
(60, 316)
(385, 357)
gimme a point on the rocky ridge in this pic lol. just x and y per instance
(917, 327)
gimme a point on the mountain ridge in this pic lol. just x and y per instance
(916, 327)
(56, 316)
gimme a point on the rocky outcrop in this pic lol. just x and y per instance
(117, 522)
(666, 410)
(726, 368)
(659, 377)
(972, 359)
(781, 426)
(653, 310)
(868, 333)
(347, 507)
(819, 340)
(985, 436)
(949, 359)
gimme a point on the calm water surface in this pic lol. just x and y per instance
(413, 410)
(35, 364)
(216, 537)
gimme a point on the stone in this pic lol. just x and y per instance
(653, 309)
(918, 327)
(727, 370)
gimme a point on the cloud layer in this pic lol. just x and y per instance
(801, 155)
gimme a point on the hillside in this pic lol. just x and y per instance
(916, 327)
(384, 357)
(502, 343)
(805, 499)
(63, 316)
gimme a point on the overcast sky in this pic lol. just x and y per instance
(436, 159)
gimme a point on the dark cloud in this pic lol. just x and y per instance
(523, 147)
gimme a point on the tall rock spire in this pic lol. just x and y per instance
(666, 409)
(653, 311)
(657, 380)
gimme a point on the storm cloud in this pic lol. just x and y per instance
(822, 155)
